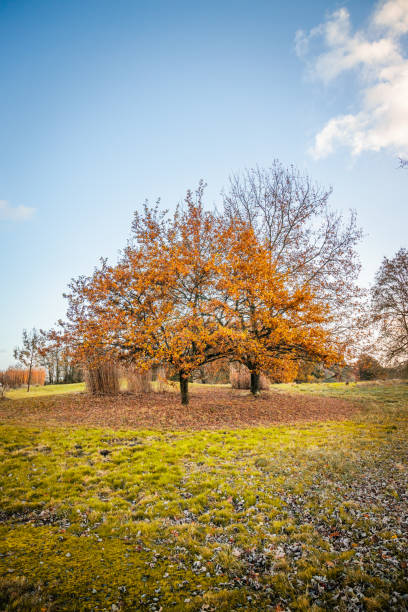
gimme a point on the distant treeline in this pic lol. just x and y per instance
(60, 369)
(18, 377)
(369, 368)
(51, 374)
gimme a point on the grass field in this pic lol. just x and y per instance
(45, 390)
(305, 517)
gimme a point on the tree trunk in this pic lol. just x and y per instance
(255, 376)
(50, 373)
(29, 376)
(184, 388)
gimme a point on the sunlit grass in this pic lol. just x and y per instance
(39, 391)
(156, 520)
(382, 391)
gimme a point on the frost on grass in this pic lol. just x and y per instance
(281, 518)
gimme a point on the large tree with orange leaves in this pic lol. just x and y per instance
(273, 323)
(199, 286)
(157, 305)
(312, 244)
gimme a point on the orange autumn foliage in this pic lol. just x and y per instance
(193, 289)
(273, 322)
(18, 377)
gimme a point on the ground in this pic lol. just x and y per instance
(289, 502)
(211, 407)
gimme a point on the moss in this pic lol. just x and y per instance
(192, 519)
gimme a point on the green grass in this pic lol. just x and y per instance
(234, 519)
(376, 391)
(38, 391)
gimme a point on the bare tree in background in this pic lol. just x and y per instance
(308, 241)
(28, 353)
(390, 305)
(54, 357)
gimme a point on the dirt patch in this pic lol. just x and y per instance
(209, 409)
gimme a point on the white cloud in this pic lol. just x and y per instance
(15, 213)
(376, 56)
(393, 15)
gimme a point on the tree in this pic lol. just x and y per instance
(273, 323)
(390, 305)
(188, 251)
(307, 241)
(157, 304)
(54, 357)
(199, 286)
(369, 367)
(28, 353)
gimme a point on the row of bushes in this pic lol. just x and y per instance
(13, 378)
(106, 379)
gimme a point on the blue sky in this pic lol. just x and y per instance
(106, 103)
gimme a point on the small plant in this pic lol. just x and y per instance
(159, 375)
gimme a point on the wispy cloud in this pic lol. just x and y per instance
(15, 213)
(377, 57)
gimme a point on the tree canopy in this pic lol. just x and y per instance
(256, 283)
(390, 305)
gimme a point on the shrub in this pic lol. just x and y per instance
(369, 368)
(159, 375)
(138, 381)
(17, 377)
(103, 379)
